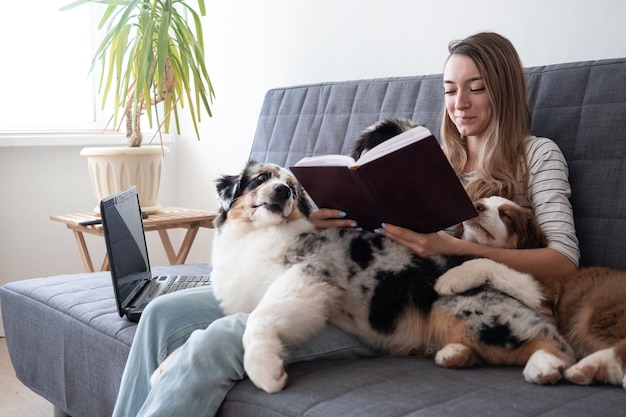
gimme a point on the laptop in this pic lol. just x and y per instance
(133, 283)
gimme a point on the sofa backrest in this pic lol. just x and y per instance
(581, 106)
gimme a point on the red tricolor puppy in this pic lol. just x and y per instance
(589, 304)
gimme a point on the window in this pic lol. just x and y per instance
(46, 57)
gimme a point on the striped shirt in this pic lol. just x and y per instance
(549, 191)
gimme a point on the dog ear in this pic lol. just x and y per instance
(528, 231)
(458, 231)
(378, 133)
(228, 189)
(305, 204)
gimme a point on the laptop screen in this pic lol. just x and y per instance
(126, 244)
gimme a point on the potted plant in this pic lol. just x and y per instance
(152, 63)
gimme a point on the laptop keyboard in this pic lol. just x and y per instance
(186, 281)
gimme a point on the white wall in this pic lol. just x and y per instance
(255, 45)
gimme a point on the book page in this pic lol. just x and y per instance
(388, 146)
(393, 144)
(326, 160)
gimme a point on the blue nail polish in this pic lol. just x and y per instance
(359, 229)
(383, 225)
(342, 214)
(378, 232)
(352, 224)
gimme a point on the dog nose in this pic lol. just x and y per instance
(282, 191)
(480, 207)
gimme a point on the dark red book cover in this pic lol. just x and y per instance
(413, 187)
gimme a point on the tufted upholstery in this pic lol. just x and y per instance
(66, 339)
(581, 106)
(68, 344)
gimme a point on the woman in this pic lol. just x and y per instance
(486, 138)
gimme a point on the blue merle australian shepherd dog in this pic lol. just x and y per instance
(269, 261)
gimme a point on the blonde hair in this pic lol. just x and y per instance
(502, 161)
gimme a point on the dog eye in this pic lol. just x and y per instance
(262, 177)
(258, 180)
(505, 215)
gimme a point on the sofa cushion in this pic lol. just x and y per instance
(327, 118)
(66, 340)
(417, 387)
(581, 106)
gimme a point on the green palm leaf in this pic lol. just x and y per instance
(150, 55)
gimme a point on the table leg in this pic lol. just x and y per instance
(186, 245)
(181, 257)
(84, 252)
(167, 245)
(105, 263)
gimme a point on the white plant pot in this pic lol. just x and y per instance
(113, 169)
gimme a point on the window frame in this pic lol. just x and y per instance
(93, 129)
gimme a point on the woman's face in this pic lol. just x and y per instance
(466, 99)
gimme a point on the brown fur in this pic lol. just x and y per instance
(524, 231)
(450, 329)
(590, 308)
(589, 305)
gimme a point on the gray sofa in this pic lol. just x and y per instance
(68, 344)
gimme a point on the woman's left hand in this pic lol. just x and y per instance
(326, 218)
(424, 245)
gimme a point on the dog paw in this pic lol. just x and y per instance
(266, 371)
(543, 368)
(461, 278)
(601, 366)
(454, 355)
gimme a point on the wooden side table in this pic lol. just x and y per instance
(166, 218)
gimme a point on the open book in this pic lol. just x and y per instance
(406, 180)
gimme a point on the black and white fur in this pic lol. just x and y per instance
(378, 133)
(269, 261)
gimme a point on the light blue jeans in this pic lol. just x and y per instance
(211, 361)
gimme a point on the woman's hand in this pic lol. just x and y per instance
(424, 245)
(327, 218)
